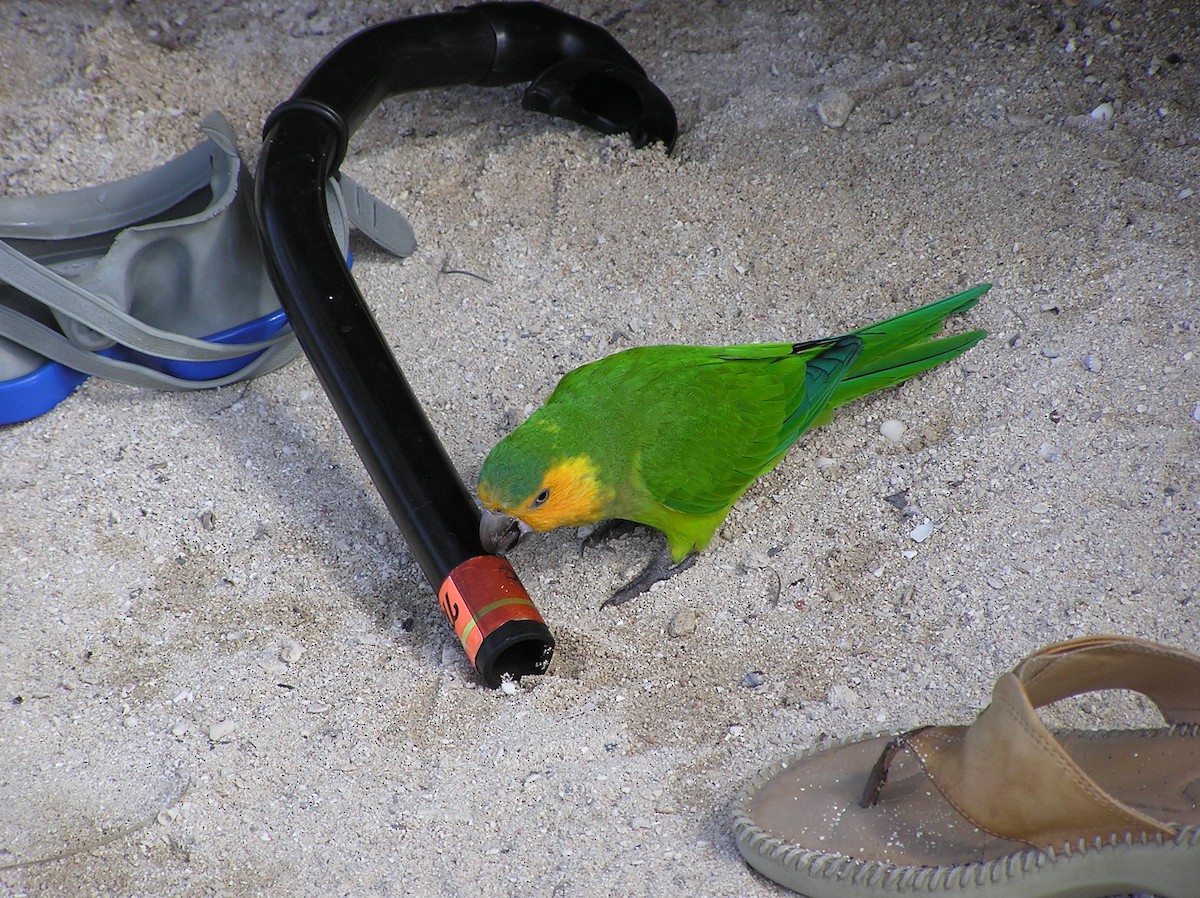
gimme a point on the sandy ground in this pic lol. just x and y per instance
(358, 754)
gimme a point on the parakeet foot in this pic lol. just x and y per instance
(605, 531)
(660, 568)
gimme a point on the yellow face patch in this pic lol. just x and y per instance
(569, 496)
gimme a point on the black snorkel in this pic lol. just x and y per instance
(578, 72)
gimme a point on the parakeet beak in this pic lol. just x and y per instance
(500, 532)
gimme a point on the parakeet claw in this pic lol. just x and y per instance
(499, 533)
(659, 569)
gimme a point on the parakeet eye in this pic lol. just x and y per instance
(540, 499)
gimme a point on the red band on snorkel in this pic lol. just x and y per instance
(480, 596)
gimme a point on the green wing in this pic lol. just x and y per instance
(731, 414)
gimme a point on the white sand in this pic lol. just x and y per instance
(1058, 460)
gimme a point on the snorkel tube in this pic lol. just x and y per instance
(578, 72)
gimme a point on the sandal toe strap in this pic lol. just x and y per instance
(1007, 773)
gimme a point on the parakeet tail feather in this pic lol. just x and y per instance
(899, 348)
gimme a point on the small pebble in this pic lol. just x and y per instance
(753, 680)
(834, 107)
(1185, 193)
(1048, 452)
(221, 730)
(1051, 352)
(730, 533)
(842, 696)
(1102, 113)
(1196, 413)
(892, 430)
(180, 729)
(1023, 122)
(683, 623)
(922, 531)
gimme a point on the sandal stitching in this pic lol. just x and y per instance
(1028, 860)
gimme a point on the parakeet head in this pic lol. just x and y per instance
(531, 477)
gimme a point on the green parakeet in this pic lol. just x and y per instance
(671, 436)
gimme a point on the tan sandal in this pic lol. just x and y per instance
(1003, 808)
